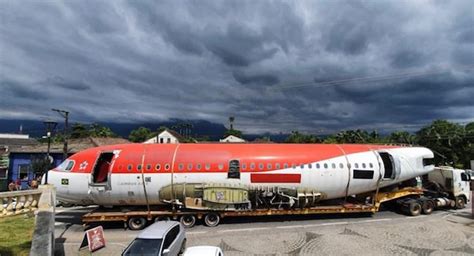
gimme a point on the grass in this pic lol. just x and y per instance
(15, 234)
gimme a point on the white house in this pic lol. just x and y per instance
(166, 136)
(232, 139)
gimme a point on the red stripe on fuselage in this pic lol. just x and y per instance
(275, 178)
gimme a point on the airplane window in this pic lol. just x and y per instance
(190, 167)
(139, 167)
(325, 165)
(120, 167)
(277, 166)
(198, 167)
(363, 165)
(69, 166)
(293, 166)
(244, 166)
(221, 166)
(260, 166)
(208, 167)
(252, 166)
(167, 167)
(333, 165)
(356, 165)
(180, 167)
(269, 166)
(148, 167)
(129, 167)
(348, 165)
(318, 166)
(285, 165)
(341, 165)
(302, 166)
(310, 166)
(157, 167)
(371, 165)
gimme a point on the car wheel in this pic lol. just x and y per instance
(183, 247)
(136, 223)
(212, 219)
(188, 221)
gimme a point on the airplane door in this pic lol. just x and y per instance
(234, 169)
(100, 183)
(390, 166)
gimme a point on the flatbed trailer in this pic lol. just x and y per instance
(137, 219)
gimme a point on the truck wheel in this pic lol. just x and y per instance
(427, 207)
(188, 221)
(460, 204)
(136, 223)
(212, 219)
(414, 208)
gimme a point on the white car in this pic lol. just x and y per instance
(203, 251)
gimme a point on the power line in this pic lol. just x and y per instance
(363, 79)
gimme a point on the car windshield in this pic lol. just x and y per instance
(144, 247)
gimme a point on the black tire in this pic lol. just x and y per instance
(460, 204)
(137, 223)
(212, 219)
(414, 208)
(427, 207)
(183, 247)
(188, 221)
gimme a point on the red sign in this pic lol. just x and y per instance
(95, 238)
(275, 178)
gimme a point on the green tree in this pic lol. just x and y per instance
(97, 130)
(297, 137)
(79, 131)
(445, 139)
(41, 164)
(140, 134)
(234, 132)
(402, 137)
(94, 130)
(468, 145)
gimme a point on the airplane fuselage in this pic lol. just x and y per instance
(133, 174)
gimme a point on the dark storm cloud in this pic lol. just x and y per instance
(261, 79)
(315, 66)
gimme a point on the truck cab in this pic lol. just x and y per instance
(454, 181)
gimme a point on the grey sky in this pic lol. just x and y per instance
(135, 61)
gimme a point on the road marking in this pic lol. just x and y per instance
(241, 229)
(196, 232)
(293, 226)
(108, 243)
(416, 217)
(330, 224)
(367, 221)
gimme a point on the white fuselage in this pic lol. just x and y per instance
(348, 174)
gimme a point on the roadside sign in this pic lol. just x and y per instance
(94, 239)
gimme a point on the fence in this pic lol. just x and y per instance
(18, 202)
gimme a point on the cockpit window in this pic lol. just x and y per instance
(66, 165)
(69, 165)
(428, 161)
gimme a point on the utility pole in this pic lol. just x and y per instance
(50, 126)
(64, 114)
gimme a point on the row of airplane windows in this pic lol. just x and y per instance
(252, 166)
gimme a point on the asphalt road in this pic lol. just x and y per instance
(386, 232)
